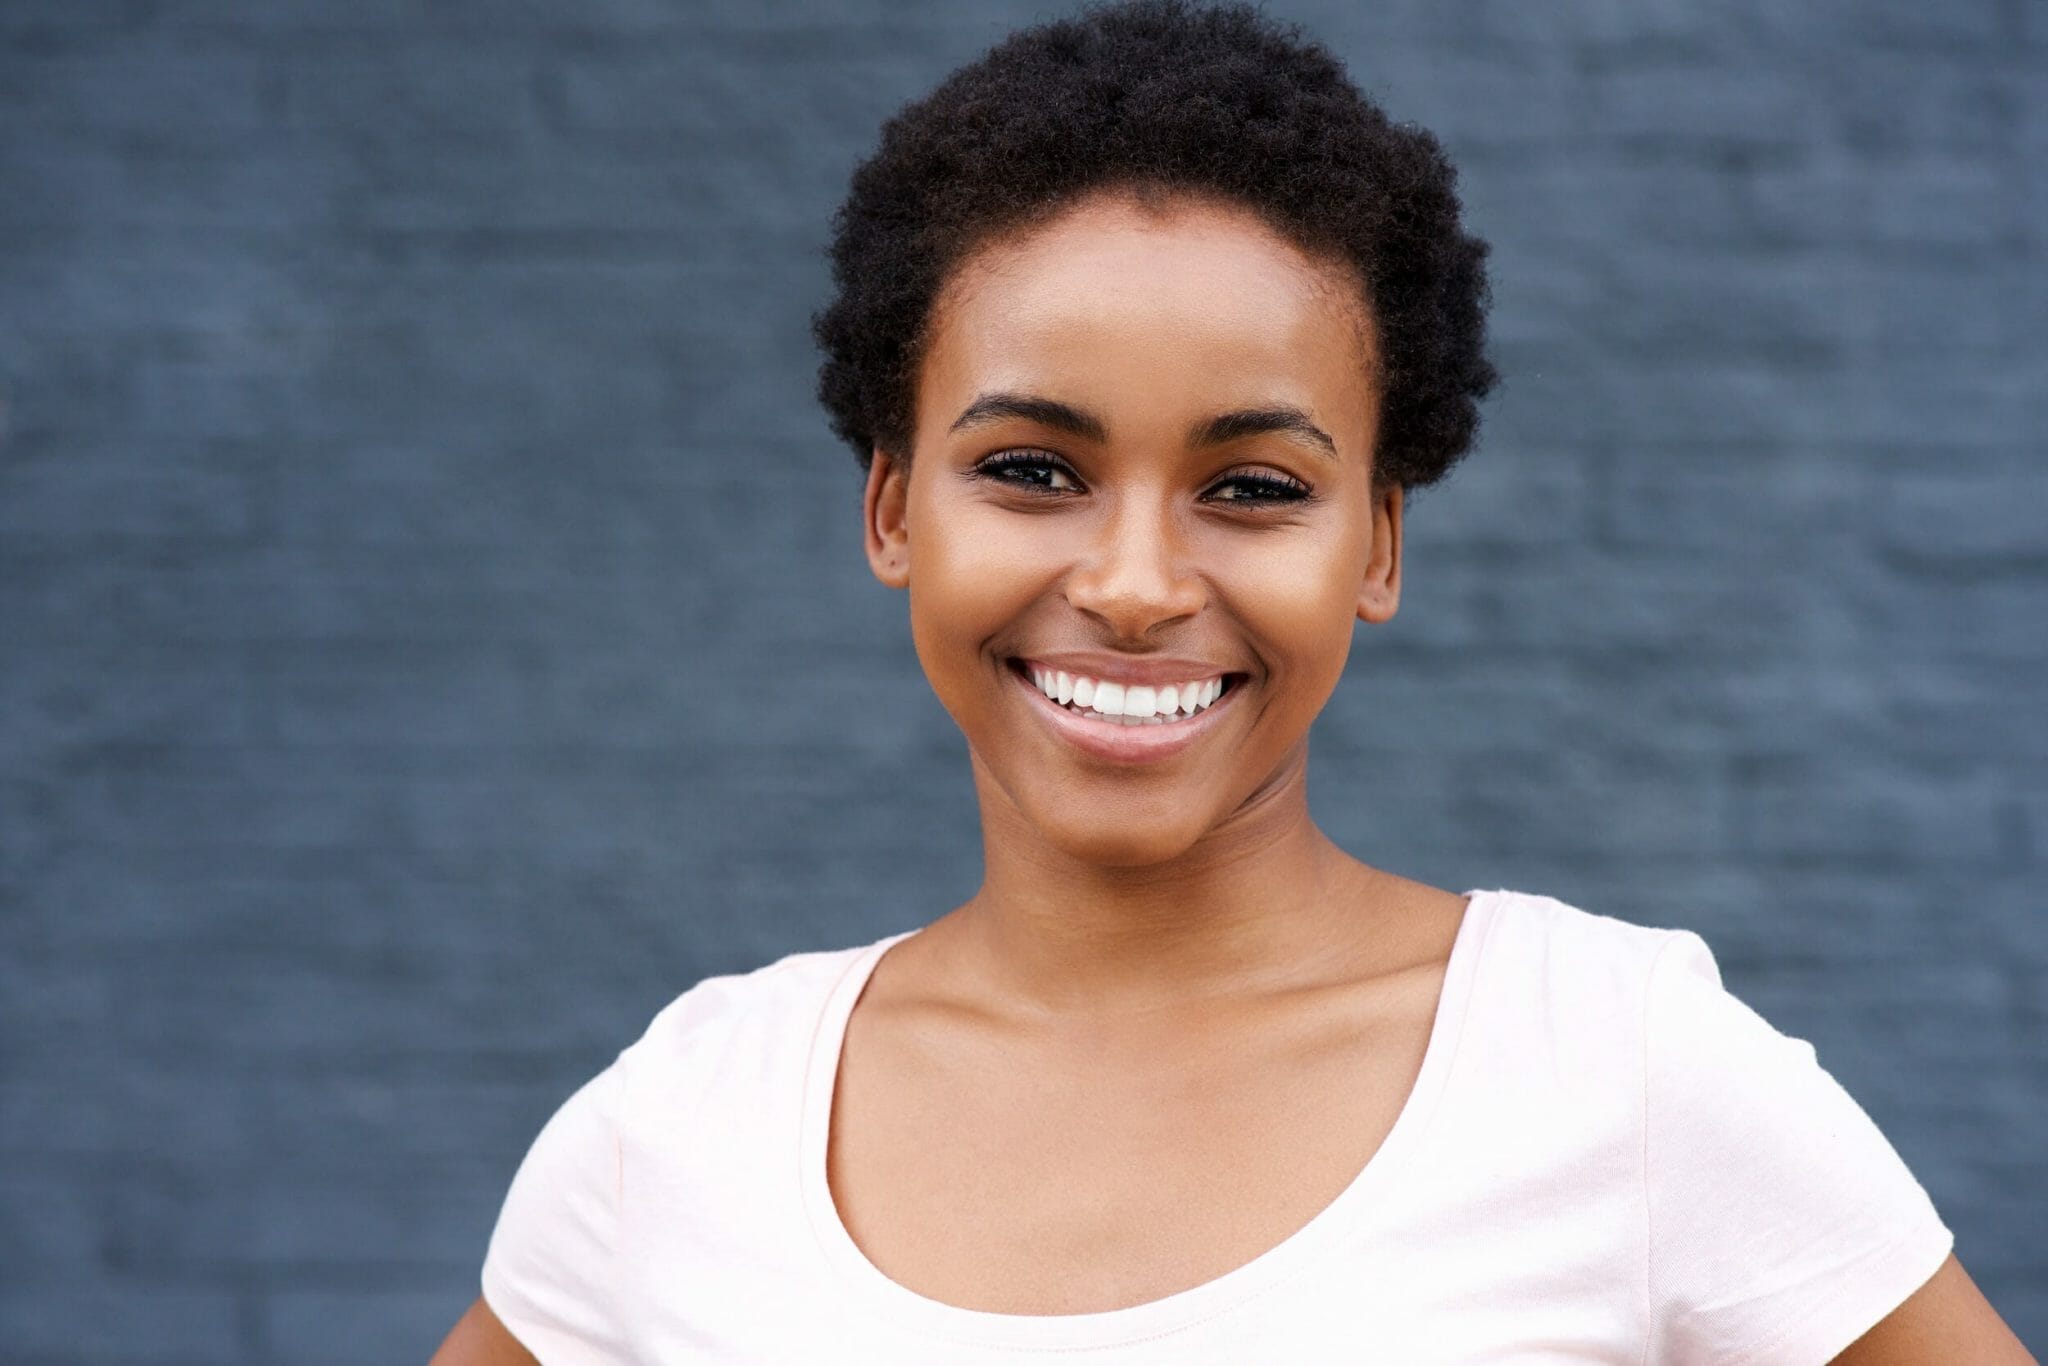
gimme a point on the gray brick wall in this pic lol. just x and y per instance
(407, 432)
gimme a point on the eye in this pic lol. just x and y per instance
(1033, 469)
(1257, 487)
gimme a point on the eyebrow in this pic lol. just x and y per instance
(1281, 419)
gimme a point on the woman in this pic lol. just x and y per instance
(1146, 325)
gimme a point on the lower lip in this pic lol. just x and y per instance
(1119, 743)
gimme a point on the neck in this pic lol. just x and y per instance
(1261, 902)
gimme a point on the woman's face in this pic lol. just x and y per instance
(1142, 460)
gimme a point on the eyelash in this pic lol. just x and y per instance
(1274, 490)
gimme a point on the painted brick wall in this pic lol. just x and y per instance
(433, 633)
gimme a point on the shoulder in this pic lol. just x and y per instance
(1585, 936)
(1657, 984)
(1634, 1023)
(744, 1015)
(1538, 952)
(725, 1036)
(1652, 1000)
(758, 995)
(708, 1082)
(1779, 1222)
(1549, 1005)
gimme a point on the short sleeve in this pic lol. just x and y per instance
(1782, 1224)
(549, 1273)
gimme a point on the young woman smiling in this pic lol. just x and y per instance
(1147, 322)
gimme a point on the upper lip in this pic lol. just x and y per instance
(1143, 670)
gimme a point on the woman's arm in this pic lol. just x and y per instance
(1947, 1319)
(478, 1339)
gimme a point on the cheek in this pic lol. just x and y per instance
(1297, 594)
(973, 573)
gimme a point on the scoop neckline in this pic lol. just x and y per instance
(867, 1285)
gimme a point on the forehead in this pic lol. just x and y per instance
(1158, 309)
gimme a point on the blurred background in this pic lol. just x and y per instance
(433, 630)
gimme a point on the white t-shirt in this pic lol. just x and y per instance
(1605, 1157)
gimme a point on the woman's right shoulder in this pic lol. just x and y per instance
(714, 1082)
(743, 1016)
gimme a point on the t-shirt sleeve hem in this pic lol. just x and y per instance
(547, 1345)
(1881, 1285)
(507, 1310)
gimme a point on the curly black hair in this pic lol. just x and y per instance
(1159, 95)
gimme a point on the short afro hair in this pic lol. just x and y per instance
(1213, 101)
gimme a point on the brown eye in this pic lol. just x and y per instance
(1258, 488)
(1035, 469)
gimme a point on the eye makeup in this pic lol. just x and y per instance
(1027, 468)
(1040, 469)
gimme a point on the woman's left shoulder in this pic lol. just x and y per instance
(1780, 1222)
(1585, 936)
(1651, 997)
(1544, 954)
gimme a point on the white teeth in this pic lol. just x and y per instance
(1133, 704)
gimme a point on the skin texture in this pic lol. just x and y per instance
(1169, 972)
(479, 1339)
(1946, 1320)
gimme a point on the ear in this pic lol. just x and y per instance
(1380, 595)
(884, 508)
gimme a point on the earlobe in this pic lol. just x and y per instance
(884, 508)
(1379, 596)
(1377, 605)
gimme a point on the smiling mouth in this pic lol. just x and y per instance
(1119, 704)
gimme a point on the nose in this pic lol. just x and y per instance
(1136, 576)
